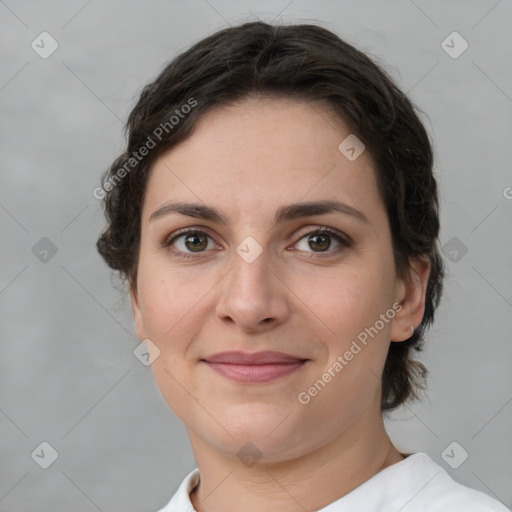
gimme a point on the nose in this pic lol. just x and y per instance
(253, 295)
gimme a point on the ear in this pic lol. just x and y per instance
(137, 314)
(410, 294)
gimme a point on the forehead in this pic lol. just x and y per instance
(259, 154)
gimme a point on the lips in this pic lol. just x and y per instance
(254, 368)
(257, 358)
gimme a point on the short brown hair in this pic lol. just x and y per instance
(310, 63)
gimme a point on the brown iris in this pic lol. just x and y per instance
(316, 238)
(196, 242)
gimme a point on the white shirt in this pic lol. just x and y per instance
(415, 484)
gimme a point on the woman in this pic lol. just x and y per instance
(275, 215)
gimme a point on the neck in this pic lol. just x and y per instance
(308, 482)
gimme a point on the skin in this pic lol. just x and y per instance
(298, 297)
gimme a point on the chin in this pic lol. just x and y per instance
(258, 435)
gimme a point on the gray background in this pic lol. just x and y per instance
(67, 369)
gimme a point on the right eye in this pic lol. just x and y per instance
(193, 240)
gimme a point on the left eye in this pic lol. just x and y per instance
(322, 239)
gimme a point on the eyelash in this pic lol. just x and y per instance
(344, 241)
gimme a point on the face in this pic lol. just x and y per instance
(306, 286)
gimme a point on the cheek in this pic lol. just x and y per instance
(346, 304)
(347, 299)
(170, 299)
(170, 306)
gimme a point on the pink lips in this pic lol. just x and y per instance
(256, 367)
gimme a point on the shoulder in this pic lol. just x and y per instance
(441, 492)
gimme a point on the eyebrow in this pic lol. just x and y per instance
(283, 214)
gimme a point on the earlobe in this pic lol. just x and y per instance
(411, 296)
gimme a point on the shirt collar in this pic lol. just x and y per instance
(378, 491)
